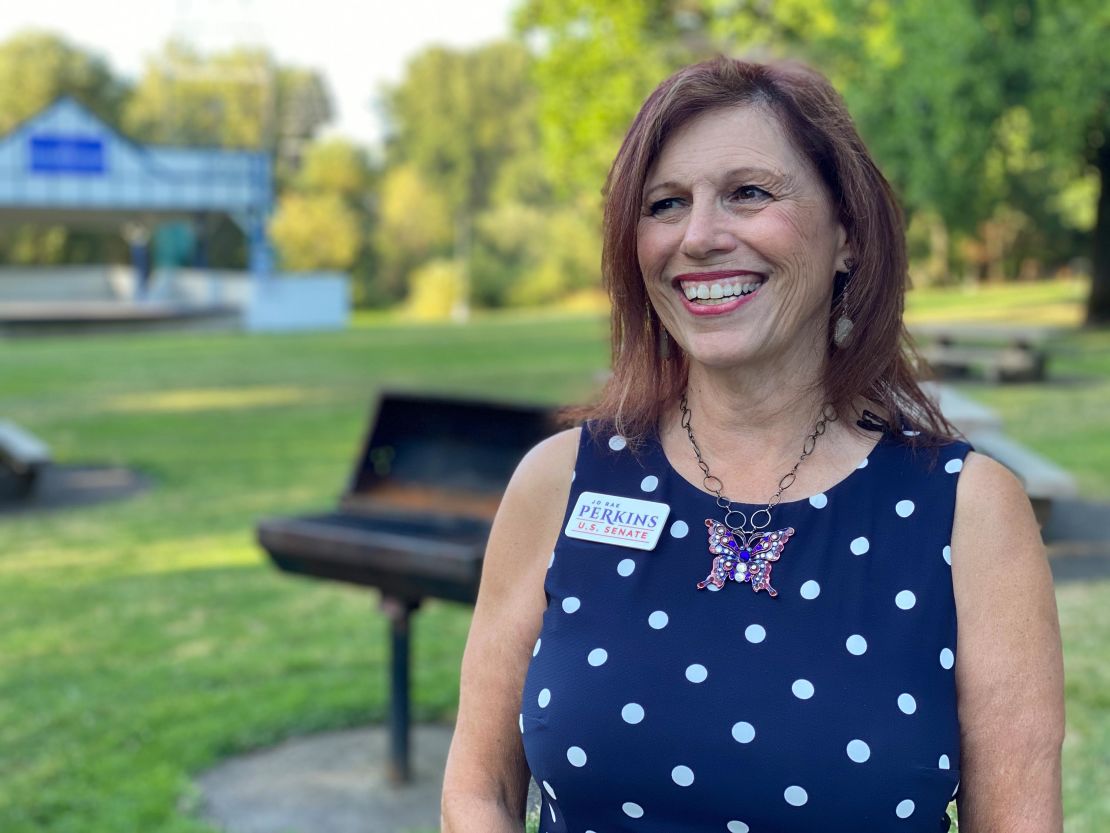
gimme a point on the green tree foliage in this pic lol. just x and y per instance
(323, 219)
(37, 67)
(316, 231)
(414, 225)
(597, 60)
(458, 116)
(238, 98)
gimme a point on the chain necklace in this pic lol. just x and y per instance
(743, 551)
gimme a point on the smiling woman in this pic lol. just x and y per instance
(764, 427)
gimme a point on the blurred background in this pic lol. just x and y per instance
(357, 198)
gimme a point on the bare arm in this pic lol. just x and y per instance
(1009, 666)
(485, 785)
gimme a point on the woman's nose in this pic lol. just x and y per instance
(706, 232)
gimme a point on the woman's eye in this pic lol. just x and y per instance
(662, 206)
(749, 193)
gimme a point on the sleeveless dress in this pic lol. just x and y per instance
(652, 706)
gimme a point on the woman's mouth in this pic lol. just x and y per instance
(718, 293)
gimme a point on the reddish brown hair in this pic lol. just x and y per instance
(876, 362)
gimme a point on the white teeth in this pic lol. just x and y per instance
(715, 293)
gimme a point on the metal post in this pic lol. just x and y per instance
(399, 612)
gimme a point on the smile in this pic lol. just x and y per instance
(719, 292)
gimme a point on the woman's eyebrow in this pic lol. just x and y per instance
(761, 174)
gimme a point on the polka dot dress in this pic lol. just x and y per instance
(652, 706)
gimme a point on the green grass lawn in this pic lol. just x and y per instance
(142, 641)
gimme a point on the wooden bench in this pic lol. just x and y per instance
(22, 457)
(1043, 480)
(998, 353)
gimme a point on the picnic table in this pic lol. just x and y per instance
(997, 352)
(1042, 479)
(23, 456)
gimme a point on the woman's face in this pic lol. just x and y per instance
(738, 242)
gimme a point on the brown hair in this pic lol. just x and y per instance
(877, 361)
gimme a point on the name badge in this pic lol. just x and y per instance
(623, 521)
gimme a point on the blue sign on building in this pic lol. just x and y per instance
(56, 154)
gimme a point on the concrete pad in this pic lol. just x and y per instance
(333, 782)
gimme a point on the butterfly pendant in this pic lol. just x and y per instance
(749, 560)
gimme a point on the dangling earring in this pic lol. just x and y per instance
(842, 330)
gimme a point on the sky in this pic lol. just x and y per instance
(357, 47)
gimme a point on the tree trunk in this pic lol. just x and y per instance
(1098, 304)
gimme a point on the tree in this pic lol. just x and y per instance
(457, 116)
(1069, 102)
(37, 67)
(316, 231)
(239, 98)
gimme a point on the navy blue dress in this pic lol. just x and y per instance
(655, 707)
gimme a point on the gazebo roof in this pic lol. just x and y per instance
(65, 164)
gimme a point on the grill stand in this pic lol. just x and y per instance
(399, 612)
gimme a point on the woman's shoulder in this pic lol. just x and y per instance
(543, 476)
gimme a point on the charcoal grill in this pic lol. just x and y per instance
(414, 519)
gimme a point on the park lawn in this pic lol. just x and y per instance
(144, 640)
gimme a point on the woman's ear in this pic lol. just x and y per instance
(845, 262)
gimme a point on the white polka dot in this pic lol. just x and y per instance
(632, 713)
(795, 796)
(696, 673)
(522, 723)
(597, 657)
(649, 483)
(682, 775)
(577, 756)
(944, 763)
(906, 703)
(956, 790)
(946, 554)
(743, 732)
(679, 529)
(573, 475)
(571, 604)
(954, 466)
(863, 465)
(633, 811)
(905, 599)
(859, 751)
(904, 809)
(947, 659)
(856, 644)
(755, 634)
(911, 433)
(904, 508)
(819, 501)
(544, 698)
(626, 567)
(617, 442)
(859, 546)
(713, 588)
(810, 590)
(551, 807)
(552, 561)
(550, 791)
(803, 689)
(658, 620)
(737, 827)
(536, 650)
